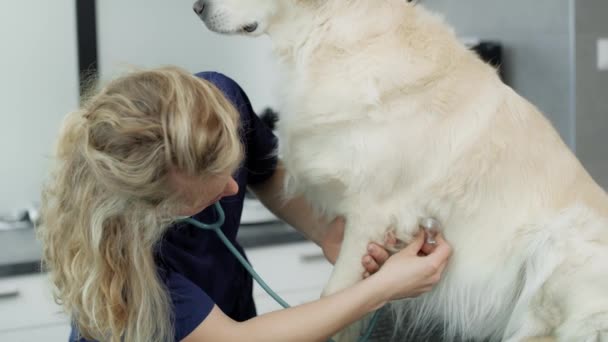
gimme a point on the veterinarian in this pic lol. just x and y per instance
(159, 144)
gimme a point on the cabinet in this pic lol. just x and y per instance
(28, 311)
(297, 272)
(49, 333)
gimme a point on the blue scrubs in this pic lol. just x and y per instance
(198, 270)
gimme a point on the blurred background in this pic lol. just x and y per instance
(553, 52)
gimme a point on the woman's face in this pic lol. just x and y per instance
(199, 193)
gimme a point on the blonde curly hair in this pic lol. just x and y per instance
(108, 200)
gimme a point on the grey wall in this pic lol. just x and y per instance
(591, 89)
(38, 86)
(536, 35)
(149, 33)
(39, 69)
(39, 83)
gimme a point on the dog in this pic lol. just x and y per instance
(388, 119)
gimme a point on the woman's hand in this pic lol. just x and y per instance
(376, 254)
(407, 273)
(412, 271)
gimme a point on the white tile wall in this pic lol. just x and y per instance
(38, 86)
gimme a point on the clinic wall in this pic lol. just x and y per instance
(591, 89)
(149, 33)
(537, 40)
(39, 85)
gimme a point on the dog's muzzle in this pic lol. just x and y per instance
(199, 7)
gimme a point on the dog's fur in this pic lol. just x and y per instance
(388, 119)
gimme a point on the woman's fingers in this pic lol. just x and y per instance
(438, 259)
(414, 247)
(370, 265)
(374, 259)
(378, 253)
(437, 254)
(428, 248)
(442, 250)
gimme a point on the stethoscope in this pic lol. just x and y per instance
(217, 228)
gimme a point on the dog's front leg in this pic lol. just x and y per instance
(358, 233)
(348, 269)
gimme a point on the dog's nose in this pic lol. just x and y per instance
(199, 7)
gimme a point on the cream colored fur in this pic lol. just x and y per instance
(388, 118)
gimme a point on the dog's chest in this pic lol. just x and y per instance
(317, 164)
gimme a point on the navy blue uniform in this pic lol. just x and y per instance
(198, 270)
